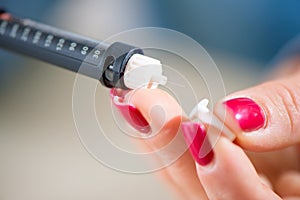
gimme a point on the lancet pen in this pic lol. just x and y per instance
(114, 65)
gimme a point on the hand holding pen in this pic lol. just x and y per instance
(265, 121)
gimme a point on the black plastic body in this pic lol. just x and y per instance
(92, 58)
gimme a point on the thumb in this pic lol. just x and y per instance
(265, 117)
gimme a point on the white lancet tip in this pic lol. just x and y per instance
(200, 109)
(201, 112)
(143, 71)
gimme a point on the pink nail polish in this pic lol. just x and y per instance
(199, 145)
(131, 114)
(249, 115)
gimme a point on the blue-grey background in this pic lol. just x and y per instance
(251, 29)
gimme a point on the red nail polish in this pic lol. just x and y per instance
(199, 145)
(249, 115)
(132, 115)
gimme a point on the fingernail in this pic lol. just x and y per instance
(131, 114)
(248, 114)
(198, 143)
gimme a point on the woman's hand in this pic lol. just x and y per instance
(266, 118)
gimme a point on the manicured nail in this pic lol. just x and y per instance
(131, 114)
(249, 115)
(198, 143)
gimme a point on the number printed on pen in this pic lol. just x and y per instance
(96, 54)
(84, 50)
(72, 46)
(37, 37)
(60, 44)
(48, 40)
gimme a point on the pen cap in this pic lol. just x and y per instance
(114, 63)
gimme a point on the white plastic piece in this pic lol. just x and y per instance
(143, 71)
(201, 112)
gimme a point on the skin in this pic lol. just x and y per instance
(268, 169)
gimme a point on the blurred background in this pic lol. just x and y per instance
(40, 152)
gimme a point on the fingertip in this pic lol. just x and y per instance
(247, 118)
(225, 177)
(163, 114)
(155, 103)
(265, 117)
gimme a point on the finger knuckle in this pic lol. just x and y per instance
(287, 99)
